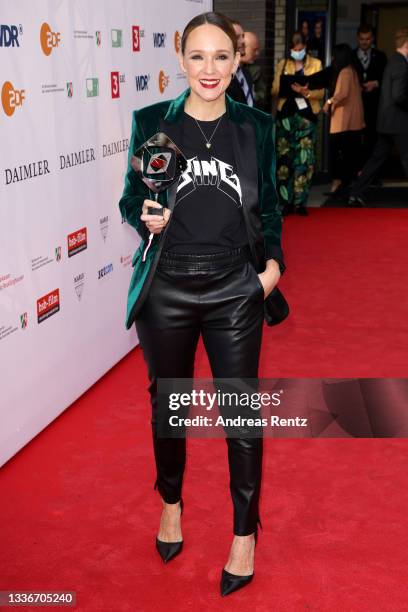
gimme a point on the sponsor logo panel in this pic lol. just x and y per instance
(48, 305)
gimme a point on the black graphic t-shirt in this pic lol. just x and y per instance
(207, 216)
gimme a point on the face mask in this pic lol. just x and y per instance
(298, 55)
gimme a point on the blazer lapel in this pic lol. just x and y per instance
(244, 140)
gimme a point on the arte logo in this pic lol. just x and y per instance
(116, 79)
(105, 271)
(70, 90)
(104, 225)
(142, 82)
(58, 253)
(177, 41)
(9, 35)
(48, 305)
(92, 88)
(163, 81)
(79, 282)
(116, 37)
(49, 40)
(136, 36)
(98, 38)
(77, 241)
(11, 98)
(23, 320)
(159, 39)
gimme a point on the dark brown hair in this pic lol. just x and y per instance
(297, 39)
(212, 18)
(365, 28)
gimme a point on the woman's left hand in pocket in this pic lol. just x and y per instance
(270, 277)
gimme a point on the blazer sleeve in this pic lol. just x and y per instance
(318, 94)
(276, 79)
(135, 190)
(271, 215)
(399, 85)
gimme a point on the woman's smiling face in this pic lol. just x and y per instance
(209, 61)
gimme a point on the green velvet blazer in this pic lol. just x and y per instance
(254, 152)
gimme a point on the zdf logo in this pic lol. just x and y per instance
(11, 98)
(163, 81)
(49, 39)
(177, 41)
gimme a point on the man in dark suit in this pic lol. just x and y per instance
(255, 69)
(392, 121)
(241, 87)
(370, 65)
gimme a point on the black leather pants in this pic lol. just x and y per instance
(221, 297)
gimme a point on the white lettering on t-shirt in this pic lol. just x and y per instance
(214, 172)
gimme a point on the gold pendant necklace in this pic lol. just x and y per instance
(208, 140)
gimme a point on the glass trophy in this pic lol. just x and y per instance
(158, 163)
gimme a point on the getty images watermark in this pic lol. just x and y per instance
(282, 408)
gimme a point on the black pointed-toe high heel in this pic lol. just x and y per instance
(168, 550)
(232, 582)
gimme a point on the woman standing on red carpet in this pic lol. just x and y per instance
(211, 269)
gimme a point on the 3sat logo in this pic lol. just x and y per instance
(137, 34)
(11, 98)
(116, 79)
(47, 305)
(49, 40)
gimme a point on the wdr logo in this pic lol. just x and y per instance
(9, 35)
(159, 39)
(142, 82)
(11, 98)
(49, 39)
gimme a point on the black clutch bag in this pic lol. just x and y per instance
(276, 308)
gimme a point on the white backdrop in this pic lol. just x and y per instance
(71, 72)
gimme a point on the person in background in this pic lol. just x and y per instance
(252, 51)
(241, 87)
(296, 121)
(392, 122)
(345, 106)
(315, 45)
(305, 29)
(370, 65)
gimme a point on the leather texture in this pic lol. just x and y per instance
(222, 301)
(254, 152)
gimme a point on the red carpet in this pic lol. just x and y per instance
(78, 510)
